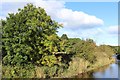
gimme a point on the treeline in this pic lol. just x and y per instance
(116, 49)
(32, 48)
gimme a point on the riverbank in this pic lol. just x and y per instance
(89, 73)
(76, 69)
(107, 71)
(77, 66)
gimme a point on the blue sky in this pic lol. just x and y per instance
(107, 11)
(95, 20)
(103, 10)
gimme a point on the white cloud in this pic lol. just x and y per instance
(77, 19)
(10, 7)
(113, 30)
(57, 10)
(51, 7)
(69, 18)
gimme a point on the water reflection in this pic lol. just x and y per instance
(119, 70)
(110, 71)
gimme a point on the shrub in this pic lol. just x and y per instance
(26, 71)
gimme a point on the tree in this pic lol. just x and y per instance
(0, 40)
(107, 49)
(27, 36)
(64, 37)
(118, 51)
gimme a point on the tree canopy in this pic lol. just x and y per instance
(29, 35)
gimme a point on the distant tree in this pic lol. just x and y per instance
(118, 51)
(87, 51)
(64, 37)
(107, 49)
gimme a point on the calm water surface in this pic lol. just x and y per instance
(110, 71)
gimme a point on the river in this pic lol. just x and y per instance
(109, 71)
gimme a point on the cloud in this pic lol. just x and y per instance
(112, 30)
(10, 7)
(51, 7)
(57, 10)
(77, 19)
(87, 33)
(69, 18)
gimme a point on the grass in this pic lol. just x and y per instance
(78, 66)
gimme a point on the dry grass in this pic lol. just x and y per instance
(0, 70)
(78, 65)
(39, 72)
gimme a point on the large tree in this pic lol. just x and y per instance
(29, 36)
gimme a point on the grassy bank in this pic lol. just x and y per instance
(79, 66)
(76, 66)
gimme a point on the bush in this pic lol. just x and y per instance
(54, 71)
(26, 71)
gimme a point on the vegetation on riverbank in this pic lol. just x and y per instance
(31, 48)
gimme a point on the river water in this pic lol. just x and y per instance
(109, 71)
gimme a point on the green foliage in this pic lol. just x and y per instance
(83, 49)
(50, 71)
(75, 45)
(64, 37)
(52, 43)
(107, 49)
(53, 71)
(87, 51)
(49, 60)
(118, 51)
(28, 36)
(26, 71)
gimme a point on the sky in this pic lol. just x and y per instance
(94, 20)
